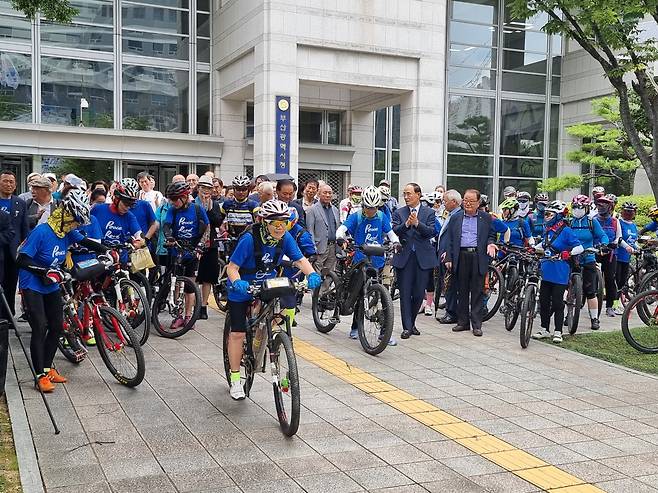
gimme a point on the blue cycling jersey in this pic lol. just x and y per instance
(557, 271)
(590, 234)
(116, 229)
(629, 234)
(368, 231)
(536, 220)
(520, 231)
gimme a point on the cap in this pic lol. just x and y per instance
(40, 182)
(50, 176)
(205, 181)
(385, 182)
(31, 176)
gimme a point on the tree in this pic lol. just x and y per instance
(54, 10)
(606, 152)
(614, 33)
(90, 170)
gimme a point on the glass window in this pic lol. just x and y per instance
(555, 86)
(529, 186)
(67, 81)
(474, 78)
(395, 161)
(203, 5)
(155, 45)
(6, 7)
(485, 11)
(532, 84)
(203, 50)
(15, 28)
(78, 36)
(554, 134)
(395, 130)
(395, 184)
(379, 177)
(522, 128)
(203, 103)
(472, 56)
(472, 34)
(520, 39)
(173, 88)
(380, 160)
(93, 11)
(531, 168)
(461, 183)
(470, 124)
(176, 21)
(524, 62)
(16, 87)
(203, 25)
(460, 164)
(552, 168)
(310, 127)
(333, 128)
(380, 128)
(557, 65)
(556, 44)
(249, 130)
(182, 4)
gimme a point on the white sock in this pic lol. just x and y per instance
(593, 313)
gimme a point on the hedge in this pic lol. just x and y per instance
(644, 203)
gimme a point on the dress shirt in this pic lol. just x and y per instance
(331, 222)
(469, 237)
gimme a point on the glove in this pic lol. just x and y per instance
(54, 276)
(240, 286)
(314, 280)
(397, 248)
(114, 255)
(565, 255)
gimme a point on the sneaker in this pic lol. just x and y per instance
(90, 341)
(392, 341)
(55, 377)
(610, 312)
(541, 334)
(186, 321)
(557, 337)
(619, 310)
(178, 323)
(237, 391)
(429, 311)
(354, 334)
(596, 325)
(22, 318)
(203, 314)
(44, 383)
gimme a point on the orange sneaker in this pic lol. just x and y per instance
(55, 377)
(45, 384)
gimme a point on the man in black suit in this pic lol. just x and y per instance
(16, 209)
(414, 225)
(470, 244)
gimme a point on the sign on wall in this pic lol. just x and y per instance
(282, 131)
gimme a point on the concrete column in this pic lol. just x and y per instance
(231, 124)
(363, 140)
(37, 163)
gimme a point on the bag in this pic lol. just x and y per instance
(87, 270)
(141, 259)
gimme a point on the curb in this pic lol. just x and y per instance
(28, 466)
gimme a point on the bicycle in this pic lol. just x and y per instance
(170, 296)
(529, 296)
(514, 271)
(644, 339)
(116, 340)
(356, 287)
(224, 246)
(262, 336)
(643, 272)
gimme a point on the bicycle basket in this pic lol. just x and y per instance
(276, 287)
(87, 270)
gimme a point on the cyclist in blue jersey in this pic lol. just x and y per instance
(118, 225)
(652, 227)
(536, 219)
(627, 245)
(612, 227)
(142, 211)
(185, 224)
(497, 224)
(369, 226)
(239, 212)
(520, 234)
(523, 198)
(590, 233)
(255, 258)
(40, 258)
(558, 240)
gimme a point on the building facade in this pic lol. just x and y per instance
(430, 91)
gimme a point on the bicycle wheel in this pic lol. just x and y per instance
(134, 306)
(69, 342)
(285, 383)
(573, 307)
(144, 283)
(643, 338)
(119, 347)
(629, 288)
(528, 313)
(648, 281)
(246, 368)
(324, 303)
(168, 311)
(494, 290)
(377, 326)
(599, 290)
(510, 306)
(219, 290)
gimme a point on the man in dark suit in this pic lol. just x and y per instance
(470, 244)
(6, 235)
(453, 201)
(414, 264)
(16, 209)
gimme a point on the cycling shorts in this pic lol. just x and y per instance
(590, 280)
(238, 312)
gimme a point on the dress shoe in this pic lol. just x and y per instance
(477, 331)
(460, 328)
(415, 331)
(406, 334)
(447, 319)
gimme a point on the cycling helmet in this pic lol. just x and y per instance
(350, 187)
(131, 187)
(523, 197)
(273, 210)
(385, 192)
(509, 191)
(541, 197)
(241, 181)
(653, 213)
(121, 193)
(629, 206)
(598, 191)
(557, 207)
(76, 203)
(605, 200)
(581, 201)
(428, 198)
(356, 189)
(178, 190)
(510, 203)
(613, 197)
(484, 200)
(371, 197)
(293, 217)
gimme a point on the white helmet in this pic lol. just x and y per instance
(77, 203)
(385, 191)
(371, 197)
(241, 181)
(557, 207)
(132, 187)
(428, 198)
(273, 210)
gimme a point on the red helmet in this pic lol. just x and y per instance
(604, 200)
(581, 201)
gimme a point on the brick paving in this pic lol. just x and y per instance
(180, 431)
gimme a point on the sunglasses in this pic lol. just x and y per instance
(278, 224)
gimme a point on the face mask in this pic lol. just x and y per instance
(578, 213)
(524, 206)
(603, 210)
(541, 206)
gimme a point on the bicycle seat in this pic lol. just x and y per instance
(373, 250)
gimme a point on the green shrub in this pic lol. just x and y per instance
(644, 203)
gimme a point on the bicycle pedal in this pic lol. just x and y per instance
(334, 320)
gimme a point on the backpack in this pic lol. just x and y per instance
(549, 243)
(254, 231)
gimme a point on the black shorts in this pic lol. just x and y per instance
(238, 312)
(208, 267)
(590, 280)
(188, 267)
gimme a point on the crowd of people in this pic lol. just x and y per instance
(433, 234)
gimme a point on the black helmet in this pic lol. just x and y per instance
(178, 190)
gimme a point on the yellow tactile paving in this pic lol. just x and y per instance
(517, 461)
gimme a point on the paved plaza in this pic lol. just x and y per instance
(441, 412)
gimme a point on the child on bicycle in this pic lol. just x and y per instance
(255, 258)
(367, 227)
(627, 246)
(558, 241)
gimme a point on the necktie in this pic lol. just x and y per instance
(413, 245)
